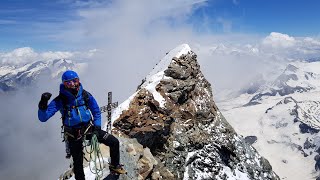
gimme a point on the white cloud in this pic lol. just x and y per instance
(291, 47)
(128, 21)
(56, 55)
(312, 41)
(27, 54)
(20, 55)
(279, 40)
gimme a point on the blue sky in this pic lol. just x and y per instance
(293, 17)
(41, 24)
(20, 21)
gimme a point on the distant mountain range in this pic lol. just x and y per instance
(297, 77)
(14, 77)
(282, 116)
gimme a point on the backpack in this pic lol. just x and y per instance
(63, 98)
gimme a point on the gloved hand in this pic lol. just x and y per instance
(43, 104)
(96, 130)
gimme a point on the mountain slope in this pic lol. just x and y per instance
(284, 127)
(174, 115)
(297, 77)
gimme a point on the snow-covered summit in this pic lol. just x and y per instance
(165, 62)
(154, 78)
(174, 115)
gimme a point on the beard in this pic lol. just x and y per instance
(74, 90)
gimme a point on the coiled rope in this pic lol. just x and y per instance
(95, 156)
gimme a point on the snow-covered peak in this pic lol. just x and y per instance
(5, 70)
(165, 61)
(297, 77)
(293, 76)
(157, 73)
(12, 77)
(173, 112)
(153, 78)
(291, 68)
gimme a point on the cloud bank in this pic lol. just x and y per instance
(24, 55)
(291, 47)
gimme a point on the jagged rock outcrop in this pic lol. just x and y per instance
(174, 115)
(139, 162)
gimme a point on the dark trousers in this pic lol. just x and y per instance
(77, 153)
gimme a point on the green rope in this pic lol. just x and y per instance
(95, 157)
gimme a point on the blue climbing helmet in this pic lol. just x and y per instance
(69, 75)
(70, 80)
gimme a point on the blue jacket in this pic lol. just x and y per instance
(73, 116)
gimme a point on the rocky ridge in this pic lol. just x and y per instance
(184, 130)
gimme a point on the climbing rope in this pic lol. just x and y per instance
(95, 156)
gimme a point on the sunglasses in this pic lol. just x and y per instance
(70, 82)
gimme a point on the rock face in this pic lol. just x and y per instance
(174, 115)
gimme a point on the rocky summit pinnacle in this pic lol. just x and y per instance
(182, 133)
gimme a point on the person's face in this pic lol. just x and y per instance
(72, 84)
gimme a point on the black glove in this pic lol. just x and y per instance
(43, 104)
(96, 130)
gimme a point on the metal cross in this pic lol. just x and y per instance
(108, 108)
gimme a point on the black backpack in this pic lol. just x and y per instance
(64, 100)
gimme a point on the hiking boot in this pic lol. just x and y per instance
(117, 169)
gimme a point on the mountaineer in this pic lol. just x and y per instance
(81, 117)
